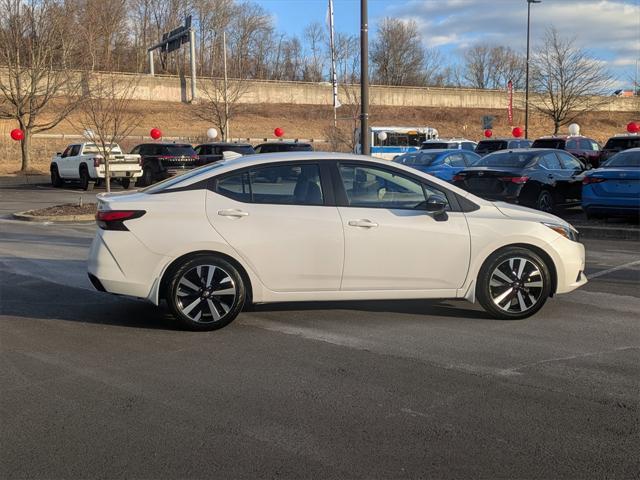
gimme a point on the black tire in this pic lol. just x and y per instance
(56, 180)
(197, 308)
(147, 177)
(507, 295)
(545, 202)
(126, 183)
(85, 179)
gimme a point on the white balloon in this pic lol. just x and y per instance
(574, 129)
(382, 136)
(212, 133)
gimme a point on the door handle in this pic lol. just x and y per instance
(362, 223)
(234, 213)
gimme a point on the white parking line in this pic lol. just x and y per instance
(613, 269)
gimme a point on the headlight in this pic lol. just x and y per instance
(567, 232)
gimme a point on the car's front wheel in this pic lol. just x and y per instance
(545, 201)
(205, 292)
(513, 283)
(56, 180)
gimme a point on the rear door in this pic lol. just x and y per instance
(281, 220)
(391, 242)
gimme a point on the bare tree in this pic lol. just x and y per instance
(107, 116)
(314, 36)
(219, 105)
(397, 55)
(487, 66)
(33, 55)
(567, 80)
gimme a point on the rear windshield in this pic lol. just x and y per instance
(549, 143)
(180, 180)
(297, 147)
(487, 146)
(92, 148)
(507, 159)
(437, 146)
(177, 150)
(624, 159)
(418, 159)
(617, 144)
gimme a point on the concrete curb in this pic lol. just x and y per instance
(609, 233)
(26, 217)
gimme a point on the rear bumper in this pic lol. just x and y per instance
(119, 263)
(121, 171)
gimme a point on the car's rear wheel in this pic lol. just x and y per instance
(205, 293)
(513, 283)
(545, 201)
(85, 180)
(126, 183)
(146, 178)
(56, 179)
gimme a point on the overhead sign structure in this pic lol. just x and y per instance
(172, 41)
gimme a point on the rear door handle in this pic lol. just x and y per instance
(234, 213)
(362, 223)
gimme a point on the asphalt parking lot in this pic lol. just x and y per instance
(95, 385)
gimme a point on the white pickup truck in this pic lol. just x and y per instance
(83, 162)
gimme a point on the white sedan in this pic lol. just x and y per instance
(314, 226)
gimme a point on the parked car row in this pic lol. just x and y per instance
(149, 162)
(541, 178)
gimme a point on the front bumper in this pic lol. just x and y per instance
(570, 264)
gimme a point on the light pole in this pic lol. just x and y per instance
(526, 77)
(365, 147)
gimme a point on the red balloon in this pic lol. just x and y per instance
(488, 133)
(155, 133)
(17, 134)
(633, 127)
(278, 132)
(517, 132)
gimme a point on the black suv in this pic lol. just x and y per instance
(163, 160)
(274, 147)
(619, 143)
(495, 144)
(212, 152)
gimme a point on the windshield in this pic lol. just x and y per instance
(624, 159)
(93, 148)
(241, 149)
(549, 143)
(418, 159)
(623, 143)
(507, 159)
(177, 150)
(174, 182)
(437, 146)
(486, 146)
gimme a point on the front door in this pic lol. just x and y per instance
(275, 217)
(391, 242)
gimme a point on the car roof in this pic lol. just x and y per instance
(434, 150)
(283, 143)
(442, 140)
(225, 144)
(505, 139)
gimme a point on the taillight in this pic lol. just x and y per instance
(458, 178)
(516, 180)
(590, 180)
(114, 219)
(97, 161)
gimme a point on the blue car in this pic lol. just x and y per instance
(614, 188)
(440, 163)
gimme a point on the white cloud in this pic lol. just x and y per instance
(609, 29)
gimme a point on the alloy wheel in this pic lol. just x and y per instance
(516, 285)
(545, 202)
(205, 293)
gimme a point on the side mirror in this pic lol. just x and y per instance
(436, 205)
(58, 153)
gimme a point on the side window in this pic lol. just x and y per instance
(550, 162)
(236, 187)
(371, 187)
(75, 150)
(455, 160)
(468, 146)
(278, 184)
(287, 184)
(571, 145)
(67, 151)
(568, 162)
(470, 159)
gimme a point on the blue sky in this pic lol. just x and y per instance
(610, 29)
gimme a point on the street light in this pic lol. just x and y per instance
(365, 147)
(526, 88)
